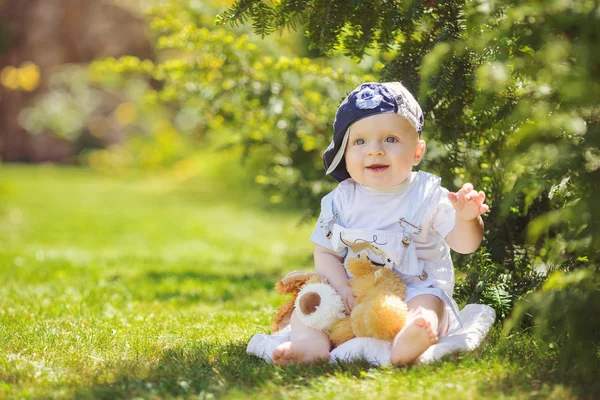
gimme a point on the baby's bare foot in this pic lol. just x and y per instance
(412, 341)
(298, 352)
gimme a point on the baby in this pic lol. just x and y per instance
(399, 219)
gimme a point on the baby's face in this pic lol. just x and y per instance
(382, 150)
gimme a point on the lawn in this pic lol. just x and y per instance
(146, 286)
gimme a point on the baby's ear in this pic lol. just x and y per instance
(419, 151)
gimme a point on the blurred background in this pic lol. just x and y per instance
(246, 93)
(148, 84)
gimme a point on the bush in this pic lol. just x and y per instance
(564, 313)
(224, 90)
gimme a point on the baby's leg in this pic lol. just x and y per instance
(424, 315)
(306, 345)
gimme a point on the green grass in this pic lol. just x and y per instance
(131, 286)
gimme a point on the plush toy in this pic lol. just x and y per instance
(379, 310)
(291, 284)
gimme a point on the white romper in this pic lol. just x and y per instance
(403, 229)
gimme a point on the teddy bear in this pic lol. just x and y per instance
(379, 311)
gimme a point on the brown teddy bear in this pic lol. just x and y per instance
(379, 310)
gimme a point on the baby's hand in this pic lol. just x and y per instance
(468, 202)
(347, 296)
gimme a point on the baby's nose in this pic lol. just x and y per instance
(376, 148)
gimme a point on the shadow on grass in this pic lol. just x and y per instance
(207, 277)
(536, 371)
(542, 380)
(205, 368)
(210, 288)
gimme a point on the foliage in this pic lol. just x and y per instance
(26, 77)
(351, 25)
(538, 60)
(488, 283)
(64, 110)
(229, 91)
(564, 312)
(484, 284)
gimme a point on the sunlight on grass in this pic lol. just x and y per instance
(121, 286)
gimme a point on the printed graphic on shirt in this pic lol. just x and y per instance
(363, 246)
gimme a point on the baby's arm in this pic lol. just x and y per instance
(467, 233)
(329, 264)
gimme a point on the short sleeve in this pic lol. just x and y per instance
(326, 216)
(444, 215)
(318, 235)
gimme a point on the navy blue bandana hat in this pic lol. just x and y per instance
(368, 99)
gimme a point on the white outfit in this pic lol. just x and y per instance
(402, 228)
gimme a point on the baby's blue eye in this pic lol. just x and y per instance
(391, 139)
(359, 141)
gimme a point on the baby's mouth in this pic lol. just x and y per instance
(377, 167)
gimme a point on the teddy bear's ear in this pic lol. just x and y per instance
(282, 316)
(293, 282)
